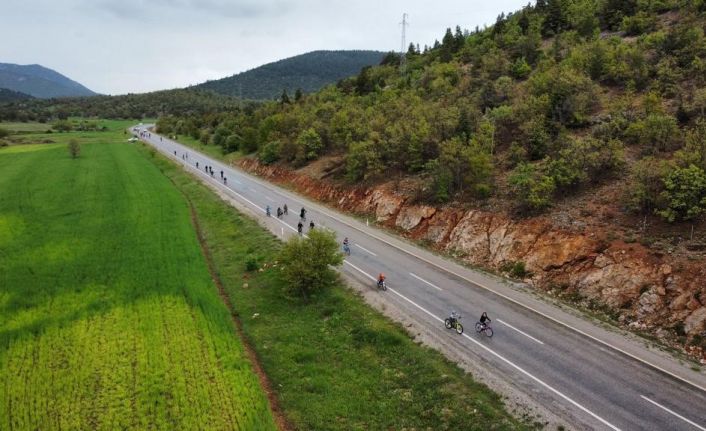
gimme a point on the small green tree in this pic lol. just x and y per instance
(4, 133)
(532, 189)
(684, 194)
(74, 148)
(309, 145)
(307, 262)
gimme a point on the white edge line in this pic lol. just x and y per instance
(499, 356)
(674, 413)
(424, 281)
(462, 277)
(521, 332)
(365, 249)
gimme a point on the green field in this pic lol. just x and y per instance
(335, 363)
(109, 318)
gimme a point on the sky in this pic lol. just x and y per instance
(135, 46)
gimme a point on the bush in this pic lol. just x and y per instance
(307, 262)
(4, 133)
(684, 194)
(269, 153)
(638, 24)
(645, 185)
(531, 188)
(654, 134)
(251, 264)
(74, 148)
(518, 270)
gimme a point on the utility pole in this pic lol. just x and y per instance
(403, 47)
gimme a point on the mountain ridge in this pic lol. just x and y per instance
(40, 82)
(309, 72)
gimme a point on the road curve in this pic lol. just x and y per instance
(591, 376)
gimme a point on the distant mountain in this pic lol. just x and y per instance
(310, 72)
(38, 81)
(12, 96)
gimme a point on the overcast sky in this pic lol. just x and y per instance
(121, 46)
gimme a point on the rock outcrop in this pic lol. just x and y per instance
(645, 290)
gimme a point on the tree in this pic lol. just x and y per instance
(694, 151)
(284, 98)
(684, 194)
(74, 148)
(298, 95)
(309, 145)
(531, 188)
(556, 20)
(307, 262)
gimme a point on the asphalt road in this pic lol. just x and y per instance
(590, 376)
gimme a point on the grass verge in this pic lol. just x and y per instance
(334, 363)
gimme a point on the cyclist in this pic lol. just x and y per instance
(267, 210)
(279, 212)
(484, 319)
(302, 214)
(311, 225)
(300, 226)
(285, 209)
(346, 246)
(381, 279)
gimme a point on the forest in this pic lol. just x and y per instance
(549, 100)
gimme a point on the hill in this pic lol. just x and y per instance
(39, 81)
(579, 116)
(12, 96)
(309, 72)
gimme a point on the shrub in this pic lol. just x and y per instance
(74, 148)
(684, 194)
(307, 262)
(251, 264)
(4, 133)
(531, 188)
(654, 134)
(645, 185)
(518, 270)
(638, 24)
(269, 153)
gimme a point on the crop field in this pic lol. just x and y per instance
(109, 318)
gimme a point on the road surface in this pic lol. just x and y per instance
(590, 376)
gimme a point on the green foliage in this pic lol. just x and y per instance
(270, 152)
(684, 194)
(459, 168)
(520, 68)
(646, 185)
(654, 134)
(307, 262)
(4, 133)
(642, 22)
(310, 145)
(74, 148)
(307, 73)
(63, 126)
(694, 151)
(530, 188)
(363, 161)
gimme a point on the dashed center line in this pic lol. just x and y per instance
(424, 281)
(365, 250)
(521, 332)
(674, 413)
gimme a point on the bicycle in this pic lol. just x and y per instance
(452, 322)
(382, 285)
(346, 249)
(485, 328)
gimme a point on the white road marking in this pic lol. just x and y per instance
(521, 332)
(252, 189)
(269, 198)
(365, 250)
(674, 413)
(499, 356)
(424, 281)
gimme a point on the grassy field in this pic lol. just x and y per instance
(211, 150)
(335, 363)
(109, 318)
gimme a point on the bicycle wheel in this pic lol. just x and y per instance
(479, 326)
(459, 328)
(447, 323)
(384, 286)
(488, 331)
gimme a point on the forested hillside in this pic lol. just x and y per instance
(137, 106)
(39, 81)
(552, 101)
(307, 73)
(11, 96)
